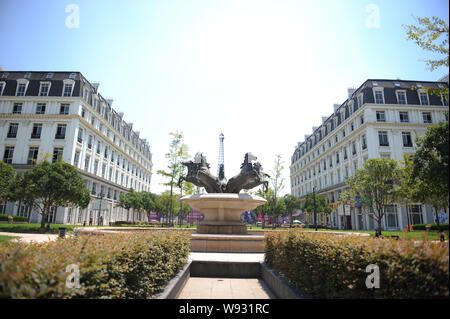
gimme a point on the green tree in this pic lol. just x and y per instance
(431, 35)
(178, 152)
(124, 202)
(148, 203)
(292, 203)
(277, 183)
(316, 203)
(7, 178)
(376, 182)
(430, 167)
(56, 184)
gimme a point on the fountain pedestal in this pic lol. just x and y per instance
(223, 211)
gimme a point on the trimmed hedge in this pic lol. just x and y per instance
(433, 226)
(130, 265)
(4, 217)
(332, 266)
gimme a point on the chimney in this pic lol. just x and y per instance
(324, 118)
(336, 106)
(95, 85)
(121, 115)
(350, 92)
(314, 128)
(306, 137)
(110, 101)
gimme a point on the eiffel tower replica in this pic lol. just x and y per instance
(220, 162)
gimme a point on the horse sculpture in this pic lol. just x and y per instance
(250, 176)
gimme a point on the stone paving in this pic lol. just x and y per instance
(26, 238)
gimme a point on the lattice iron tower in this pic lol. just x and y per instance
(221, 158)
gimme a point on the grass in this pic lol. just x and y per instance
(415, 235)
(4, 239)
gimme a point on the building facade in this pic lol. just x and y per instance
(380, 119)
(51, 115)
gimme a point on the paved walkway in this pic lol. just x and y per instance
(225, 288)
(26, 238)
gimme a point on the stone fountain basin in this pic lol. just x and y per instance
(222, 211)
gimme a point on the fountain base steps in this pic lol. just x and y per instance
(224, 243)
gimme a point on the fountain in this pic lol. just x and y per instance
(223, 205)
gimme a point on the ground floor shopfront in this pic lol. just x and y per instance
(397, 217)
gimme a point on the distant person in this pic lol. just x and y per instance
(101, 220)
(442, 236)
(90, 220)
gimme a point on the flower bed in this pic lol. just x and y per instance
(328, 266)
(129, 265)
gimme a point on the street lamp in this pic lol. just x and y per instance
(100, 207)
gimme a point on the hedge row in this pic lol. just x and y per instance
(4, 217)
(130, 265)
(433, 226)
(332, 266)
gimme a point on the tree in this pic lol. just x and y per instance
(292, 203)
(124, 202)
(178, 152)
(56, 184)
(148, 202)
(430, 167)
(431, 35)
(315, 203)
(407, 190)
(376, 182)
(277, 182)
(7, 177)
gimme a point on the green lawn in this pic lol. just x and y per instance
(416, 234)
(4, 239)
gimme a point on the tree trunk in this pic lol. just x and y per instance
(407, 215)
(437, 219)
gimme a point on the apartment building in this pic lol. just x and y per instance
(380, 119)
(51, 115)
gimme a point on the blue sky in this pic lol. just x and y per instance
(263, 72)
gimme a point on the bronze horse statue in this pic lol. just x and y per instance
(250, 176)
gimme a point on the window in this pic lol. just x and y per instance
(353, 148)
(337, 158)
(60, 132)
(32, 155)
(2, 86)
(89, 145)
(49, 75)
(98, 147)
(385, 155)
(17, 108)
(379, 99)
(427, 117)
(383, 138)
(364, 143)
(360, 100)
(407, 140)
(83, 112)
(85, 94)
(40, 108)
(401, 97)
(72, 76)
(362, 120)
(67, 91)
(423, 96)
(80, 135)
(381, 117)
(345, 153)
(86, 163)
(5, 75)
(21, 88)
(415, 214)
(95, 167)
(404, 118)
(37, 129)
(12, 131)
(44, 89)
(57, 154)
(64, 108)
(103, 170)
(76, 158)
(444, 98)
(8, 155)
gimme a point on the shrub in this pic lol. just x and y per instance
(4, 217)
(433, 226)
(332, 266)
(130, 265)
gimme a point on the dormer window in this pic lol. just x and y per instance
(44, 88)
(49, 75)
(5, 75)
(27, 75)
(375, 83)
(72, 76)
(379, 96)
(2, 86)
(360, 100)
(22, 85)
(423, 97)
(68, 87)
(401, 97)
